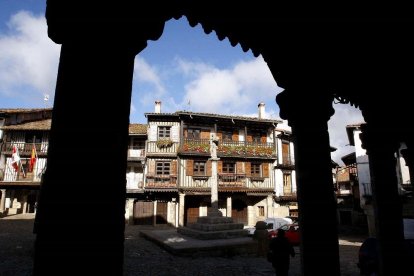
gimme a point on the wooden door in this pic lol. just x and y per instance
(162, 210)
(143, 212)
(192, 213)
(239, 211)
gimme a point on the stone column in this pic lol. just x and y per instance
(130, 211)
(214, 210)
(308, 112)
(154, 217)
(269, 206)
(3, 200)
(89, 135)
(408, 155)
(24, 204)
(386, 200)
(182, 209)
(229, 207)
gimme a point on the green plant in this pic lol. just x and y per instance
(164, 143)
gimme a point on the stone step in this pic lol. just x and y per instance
(212, 235)
(216, 227)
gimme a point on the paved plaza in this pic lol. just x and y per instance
(145, 257)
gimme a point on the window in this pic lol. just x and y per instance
(260, 210)
(228, 167)
(255, 169)
(287, 183)
(164, 132)
(256, 137)
(138, 143)
(193, 133)
(199, 168)
(33, 137)
(285, 152)
(227, 135)
(163, 168)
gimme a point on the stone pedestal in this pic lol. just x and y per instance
(214, 227)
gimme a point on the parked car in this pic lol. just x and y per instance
(368, 261)
(272, 224)
(291, 233)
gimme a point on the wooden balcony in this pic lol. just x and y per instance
(25, 149)
(229, 180)
(195, 147)
(162, 147)
(161, 181)
(136, 154)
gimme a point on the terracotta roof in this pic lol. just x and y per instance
(213, 115)
(35, 125)
(22, 110)
(137, 129)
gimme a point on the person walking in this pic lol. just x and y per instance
(261, 235)
(281, 250)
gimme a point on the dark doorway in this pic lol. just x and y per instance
(239, 211)
(143, 212)
(162, 211)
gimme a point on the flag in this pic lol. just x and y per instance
(15, 158)
(33, 158)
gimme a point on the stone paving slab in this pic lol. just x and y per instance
(182, 245)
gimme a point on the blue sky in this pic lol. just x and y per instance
(185, 69)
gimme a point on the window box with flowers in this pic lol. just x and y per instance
(246, 151)
(196, 147)
(164, 143)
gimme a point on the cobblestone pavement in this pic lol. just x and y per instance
(143, 257)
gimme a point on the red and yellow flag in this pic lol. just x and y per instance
(32, 159)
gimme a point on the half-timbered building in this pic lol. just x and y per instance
(24, 143)
(177, 184)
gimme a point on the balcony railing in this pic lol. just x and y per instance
(25, 149)
(195, 146)
(246, 149)
(13, 176)
(161, 147)
(136, 154)
(161, 181)
(231, 180)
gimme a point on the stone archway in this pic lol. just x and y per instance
(310, 61)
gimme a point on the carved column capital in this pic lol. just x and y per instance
(298, 105)
(372, 138)
(129, 24)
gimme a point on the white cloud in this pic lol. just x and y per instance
(28, 58)
(344, 115)
(147, 86)
(236, 90)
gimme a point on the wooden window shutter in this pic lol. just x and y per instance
(220, 136)
(249, 138)
(264, 138)
(205, 134)
(235, 136)
(151, 167)
(220, 167)
(185, 133)
(190, 167)
(208, 164)
(239, 167)
(265, 167)
(173, 167)
(248, 167)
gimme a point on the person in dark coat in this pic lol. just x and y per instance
(281, 250)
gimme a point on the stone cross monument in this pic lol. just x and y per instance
(214, 211)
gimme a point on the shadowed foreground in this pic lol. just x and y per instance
(143, 257)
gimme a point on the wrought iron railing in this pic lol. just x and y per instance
(231, 180)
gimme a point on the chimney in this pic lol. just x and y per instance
(157, 107)
(261, 107)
